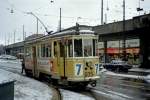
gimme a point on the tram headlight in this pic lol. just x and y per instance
(89, 64)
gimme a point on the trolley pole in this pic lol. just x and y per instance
(37, 31)
(124, 36)
(60, 21)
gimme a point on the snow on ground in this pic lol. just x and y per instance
(68, 95)
(11, 65)
(138, 77)
(26, 88)
(140, 70)
(125, 75)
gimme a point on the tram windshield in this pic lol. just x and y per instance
(84, 47)
(78, 48)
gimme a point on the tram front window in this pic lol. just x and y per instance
(78, 48)
(87, 47)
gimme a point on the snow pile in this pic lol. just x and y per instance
(26, 88)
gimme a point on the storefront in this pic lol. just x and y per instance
(114, 50)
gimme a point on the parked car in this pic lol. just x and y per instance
(117, 66)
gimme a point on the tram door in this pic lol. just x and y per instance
(59, 53)
(34, 61)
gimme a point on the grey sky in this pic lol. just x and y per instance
(89, 12)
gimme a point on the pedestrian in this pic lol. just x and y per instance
(23, 65)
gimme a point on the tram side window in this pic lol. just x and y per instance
(55, 49)
(42, 50)
(28, 52)
(87, 47)
(61, 50)
(47, 50)
(38, 51)
(70, 48)
(78, 48)
(94, 47)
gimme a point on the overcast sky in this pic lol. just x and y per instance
(86, 12)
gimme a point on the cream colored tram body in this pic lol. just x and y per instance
(68, 57)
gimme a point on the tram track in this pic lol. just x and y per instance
(56, 92)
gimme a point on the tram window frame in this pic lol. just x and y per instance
(70, 48)
(55, 49)
(95, 42)
(28, 52)
(48, 49)
(42, 50)
(62, 51)
(78, 46)
(38, 50)
(87, 47)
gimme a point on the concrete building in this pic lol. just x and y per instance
(135, 28)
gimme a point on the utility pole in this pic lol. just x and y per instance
(37, 31)
(14, 35)
(124, 36)
(23, 32)
(60, 21)
(5, 43)
(23, 41)
(102, 12)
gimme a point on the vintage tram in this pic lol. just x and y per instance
(66, 57)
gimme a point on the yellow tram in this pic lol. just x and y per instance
(67, 57)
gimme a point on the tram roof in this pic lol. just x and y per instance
(75, 30)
